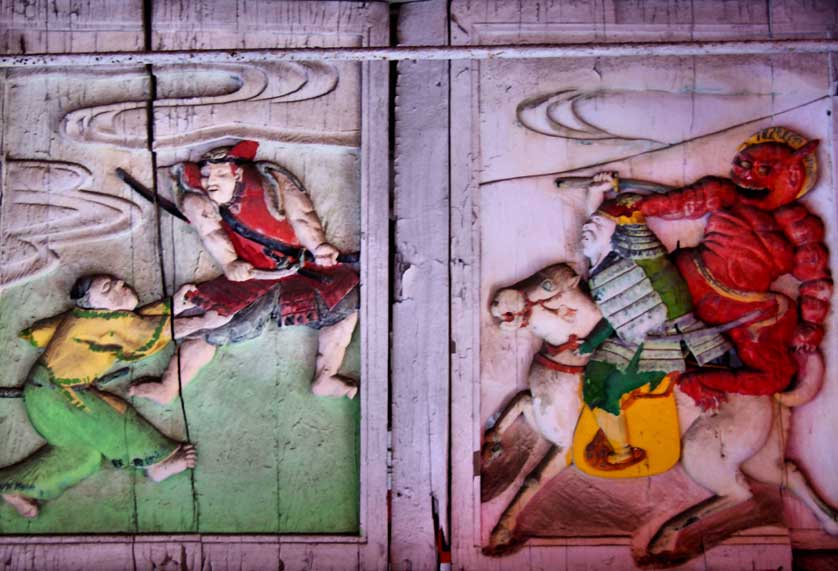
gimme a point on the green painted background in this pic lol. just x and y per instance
(273, 458)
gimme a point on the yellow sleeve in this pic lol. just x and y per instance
(149, 332)
(40, 333)
(162, 307)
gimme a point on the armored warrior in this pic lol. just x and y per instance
(647, 314)
(258, 223)
(757, 231)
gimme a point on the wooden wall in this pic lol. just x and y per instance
(425, 146)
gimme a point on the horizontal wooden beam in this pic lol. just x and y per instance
(588, 50)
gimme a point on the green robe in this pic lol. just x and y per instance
(82, 426)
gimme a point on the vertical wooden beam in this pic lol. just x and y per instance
(420, 351)
(375, 394)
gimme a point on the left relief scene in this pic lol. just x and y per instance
(179, 299)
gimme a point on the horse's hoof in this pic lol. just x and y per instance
(663, 542)
(503, 542)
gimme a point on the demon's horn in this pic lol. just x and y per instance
(806, 149)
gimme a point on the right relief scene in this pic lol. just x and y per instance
(655, 290)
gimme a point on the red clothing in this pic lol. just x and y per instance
(250, 209)
(745, 248)
(252, 228)
(763, 345)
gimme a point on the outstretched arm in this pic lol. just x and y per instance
(811, 267)
(694, 201)
(183, 326)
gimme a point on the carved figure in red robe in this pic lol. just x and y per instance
(757, 231)
(258, 223)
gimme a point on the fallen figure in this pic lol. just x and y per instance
(83, 425)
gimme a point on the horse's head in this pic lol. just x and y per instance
(512, 307)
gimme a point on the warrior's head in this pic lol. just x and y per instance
(103, 291)
(605, 223)
(596, 237)
(223, 169)
(774, 167)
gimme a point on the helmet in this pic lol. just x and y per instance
(243, 151)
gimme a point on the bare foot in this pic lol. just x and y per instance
(183, 458)
(151, 388)
(334, 386)
(26, 507)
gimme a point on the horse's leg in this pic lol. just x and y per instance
(520, 404)
(503, 539)
(714, 448)
(505, 452)
(770, 466)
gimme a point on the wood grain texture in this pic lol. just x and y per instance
(351, 159)
(465, 307)
(66, 26)
(538, 21)
(375, 312)
(478, 157)
(420, 351)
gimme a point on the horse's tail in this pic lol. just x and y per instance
(810, 373)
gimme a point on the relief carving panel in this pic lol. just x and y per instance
(615, 397)
(243, 246)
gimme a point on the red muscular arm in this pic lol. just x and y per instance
(811, 267)
(707, 194)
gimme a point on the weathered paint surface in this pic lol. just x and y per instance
(519, 126)
(88, 26)
(273, 458)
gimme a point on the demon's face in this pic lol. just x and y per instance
(770, 175)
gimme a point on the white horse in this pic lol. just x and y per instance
(718, 447)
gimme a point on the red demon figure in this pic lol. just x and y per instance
(756, 232)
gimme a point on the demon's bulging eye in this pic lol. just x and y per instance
(764, 169)
(744, 164)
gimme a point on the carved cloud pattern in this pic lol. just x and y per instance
(653, 116)
(199, 103)
(45, 207)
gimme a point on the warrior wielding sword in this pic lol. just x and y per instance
(301, 254)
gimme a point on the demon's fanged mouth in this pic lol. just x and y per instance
(754, 193)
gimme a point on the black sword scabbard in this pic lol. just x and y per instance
(149, 195)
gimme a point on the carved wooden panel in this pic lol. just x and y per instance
(475, 150)
(273, 458)
(521, 126)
